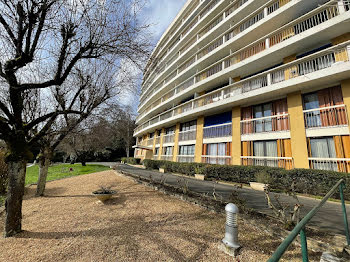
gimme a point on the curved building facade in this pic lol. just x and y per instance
(250, 82)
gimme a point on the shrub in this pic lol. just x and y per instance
(130, 160)
(306, 181)
(263, 177)
(3, 174)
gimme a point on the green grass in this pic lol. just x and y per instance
(62, 171)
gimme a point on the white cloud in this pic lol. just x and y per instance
(161, 13)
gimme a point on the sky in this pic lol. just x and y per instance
(159, 13)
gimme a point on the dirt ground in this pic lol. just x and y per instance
(138, 224)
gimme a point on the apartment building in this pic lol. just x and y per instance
(250, 82)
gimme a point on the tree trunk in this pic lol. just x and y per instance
(127, 151)
(13, 204)
(44, 164)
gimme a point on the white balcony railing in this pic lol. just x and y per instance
(185, 159)
(166, 157)
(283, 162)
(310, 20)
(265, 124)
(326, 116)
(157, 140)
(306, 65)
(187, 135)
(334, 164)
(218, 160)
(222, 130)
(169, 138)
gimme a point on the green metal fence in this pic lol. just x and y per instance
(300, 227)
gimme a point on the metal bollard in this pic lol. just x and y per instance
(231, 229)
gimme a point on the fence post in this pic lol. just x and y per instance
(304, 245)
(341, 188)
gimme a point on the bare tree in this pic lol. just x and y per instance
(42, 43)
(90, 88)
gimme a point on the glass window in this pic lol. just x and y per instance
(265, 148)
(168, 151)
(187, 150)
(260, 111)
(156, 152)
(170, 130)
(311, 101)
(216, 149)
(322, 147)
(189, 126)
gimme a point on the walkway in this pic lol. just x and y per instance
(329, 218)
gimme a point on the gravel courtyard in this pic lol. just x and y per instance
(138, 224)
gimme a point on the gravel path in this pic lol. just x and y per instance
(139, 224)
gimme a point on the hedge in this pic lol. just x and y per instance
(306, 181)
(130, 160)
(3, 174)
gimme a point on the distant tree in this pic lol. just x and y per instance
(42, 44)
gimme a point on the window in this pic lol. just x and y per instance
(192, 125)
(260, 111)
(170, 130)
(156, 151)
(265, 148)
(168, 151)
(187, 150)
(322, 147)
(216, 149)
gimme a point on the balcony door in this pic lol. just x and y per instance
(323, 148)
(259, 111)
(267, 150)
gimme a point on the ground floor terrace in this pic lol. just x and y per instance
(308, 129)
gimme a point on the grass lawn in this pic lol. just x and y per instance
(62, 171)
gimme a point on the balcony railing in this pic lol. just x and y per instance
(157, 140)
(187, 135)
(265, 124)
(185, 159)
(219, 41)
(167, 157)
(222, 130)
(283, 162)
(306, 65)
(150, 142)
(326, 116)
(169, 138)
(218, 160)
(334, 164)
(155, 157)
(308, 21)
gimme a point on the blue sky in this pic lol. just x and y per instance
(159, 13)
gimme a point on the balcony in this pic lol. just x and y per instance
(185, 159)
(333, 56)
(330, 116)
(187, 135)
(265, 124)
(222, 130)
(334, 164)
(290, 30)
(149, 142)
(168, 138)
(219, 41)
(282, 162)
(167, 157)
(157, 140)
(217, 160)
